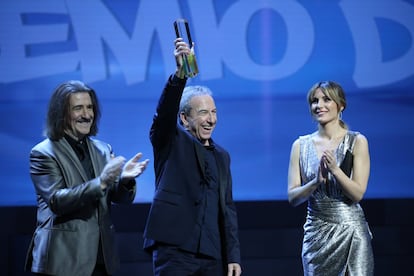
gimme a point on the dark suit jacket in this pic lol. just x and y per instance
(72, 210)
(179, 171)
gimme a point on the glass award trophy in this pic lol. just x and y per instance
(189, 61)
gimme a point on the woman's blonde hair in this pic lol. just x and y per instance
(332, 90)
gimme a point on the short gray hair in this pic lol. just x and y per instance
(190, 92)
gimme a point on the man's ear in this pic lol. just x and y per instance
(183, 119)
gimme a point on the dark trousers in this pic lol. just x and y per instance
(171, 261)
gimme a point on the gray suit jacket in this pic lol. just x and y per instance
(73, 211)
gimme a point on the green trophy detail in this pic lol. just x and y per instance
(190, 66)
(182, 30)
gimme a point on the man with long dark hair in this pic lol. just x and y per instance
(76, 179)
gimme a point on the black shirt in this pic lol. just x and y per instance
(205, 238)
(81, 149)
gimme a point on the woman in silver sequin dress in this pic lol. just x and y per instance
(330, 169)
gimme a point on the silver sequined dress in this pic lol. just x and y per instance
(337, 239)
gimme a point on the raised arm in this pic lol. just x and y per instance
(165, 118)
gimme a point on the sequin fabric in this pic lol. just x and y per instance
(337, 239)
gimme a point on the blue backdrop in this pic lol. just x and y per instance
(259, 58)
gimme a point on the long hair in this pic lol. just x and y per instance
(58, 114)
(332, 90)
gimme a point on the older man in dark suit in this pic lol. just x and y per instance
(192, 223)
(76, 179)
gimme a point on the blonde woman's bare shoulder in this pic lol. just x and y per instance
(361, 142)
(361, 137)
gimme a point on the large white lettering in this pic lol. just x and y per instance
(98, 26)
(220, 40)
(370, 69)
(15, 65)
(233, 31)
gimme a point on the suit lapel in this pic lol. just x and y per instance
(97, 159)
(221, 167)
(69, 158)
(200, 157)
